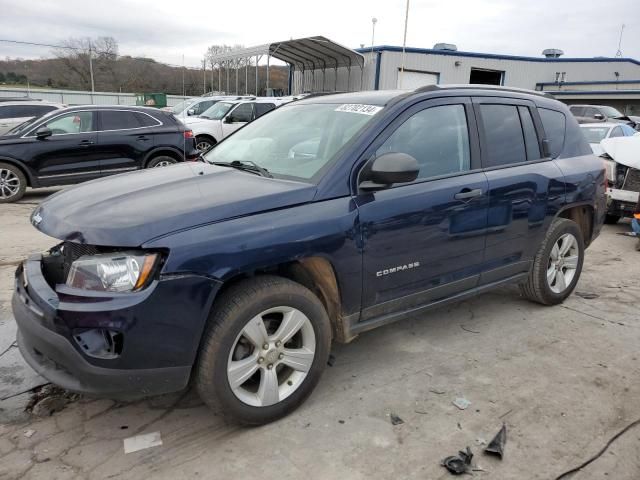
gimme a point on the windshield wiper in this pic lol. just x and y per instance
(246, 166)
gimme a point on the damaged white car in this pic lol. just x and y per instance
(622, 156)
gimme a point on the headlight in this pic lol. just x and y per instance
(112, 272)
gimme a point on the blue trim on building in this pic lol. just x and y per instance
(594, 92)
(594, 82)
(376, 85)
(450, 53)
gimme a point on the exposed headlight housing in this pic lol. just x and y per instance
(112, 272)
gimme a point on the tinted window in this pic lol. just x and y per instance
(262, 108)
(590, 112)
(503, 135)
(577, 111)
(616, 132)
(117, 120)
(554, 125)
(146, 120)
(75, 122)
(242, 113)
(7, 112)
(530, 136)
(437, 137)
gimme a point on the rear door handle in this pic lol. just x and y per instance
(86, 143)
(144, 138)
(467, 194)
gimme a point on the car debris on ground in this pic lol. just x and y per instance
(462, 403)
(496, 446)
(142, 442)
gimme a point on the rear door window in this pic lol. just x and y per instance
(242, 113)
(503, 135)
(146, 120)
(118, 120)
(554, 124)
(262, 108)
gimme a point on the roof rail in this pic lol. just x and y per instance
(468, 86)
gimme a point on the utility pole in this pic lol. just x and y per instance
(374, 20)
(404, 44)
(93, 85)
(619, 52)
(204, 76)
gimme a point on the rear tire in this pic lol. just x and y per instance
(13, 183)
(248, 368)
(161, 161)
(557, 265)
(611, 219)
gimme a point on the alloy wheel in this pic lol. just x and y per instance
(163, 163)
(9, 183)
(271, 356)
(202, 145)
(563, 263)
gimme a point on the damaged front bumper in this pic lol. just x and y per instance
(158, 328)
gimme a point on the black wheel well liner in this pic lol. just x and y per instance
(583, 215)
(318, 275)
(208, 136)
(168, 151)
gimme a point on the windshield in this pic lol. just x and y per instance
(295, 141)
(595, 134)
(22, 127)
(217, 111)
(182, 106)
(611, 112)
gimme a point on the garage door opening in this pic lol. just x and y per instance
(486, 77)
(412, 79)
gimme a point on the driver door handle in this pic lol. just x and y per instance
(86, 143)
(468, 194)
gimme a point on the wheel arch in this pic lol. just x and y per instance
(315, 273)
(25, 171)
(584, 216)
(208, 136)
(169, 151)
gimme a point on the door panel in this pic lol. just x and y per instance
(70, 154)
(420, 237)
(525, 190)
(425, 241)
(122, 141)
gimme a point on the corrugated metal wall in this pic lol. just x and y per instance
(518, 73)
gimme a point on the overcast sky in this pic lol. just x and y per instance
(167, 30)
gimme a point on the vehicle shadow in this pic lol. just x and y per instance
(38, 194)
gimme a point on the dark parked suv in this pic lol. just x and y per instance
(324, 219)
(76, 144)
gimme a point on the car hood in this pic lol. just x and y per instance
(624, 150)
(130, 209)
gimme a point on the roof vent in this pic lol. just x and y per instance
(552, 53)
(445, 46)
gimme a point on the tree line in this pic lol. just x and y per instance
(69, 68)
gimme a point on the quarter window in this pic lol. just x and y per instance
(262, 108)
(118, 120)
(146, 120)
(554, 125)
(437, 137)
(503, 135)
(75, 122)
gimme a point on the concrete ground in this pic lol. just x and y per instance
(563, 379)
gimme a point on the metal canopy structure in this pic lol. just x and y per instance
(310, 54)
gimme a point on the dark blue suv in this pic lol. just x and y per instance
(321, 220)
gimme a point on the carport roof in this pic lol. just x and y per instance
(310, 53)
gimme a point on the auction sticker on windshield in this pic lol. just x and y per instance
(359, 108)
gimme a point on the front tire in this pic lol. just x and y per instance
(557, 265)
(265, 347)
(204, 143)
(12, 183)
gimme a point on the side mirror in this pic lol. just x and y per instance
(43, 132)
(228, 119)
(387, 169)
(191, 112)
(598, 116)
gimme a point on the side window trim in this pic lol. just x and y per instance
(99, 115)
(517, 102)
(376, 143)
(94, 121)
